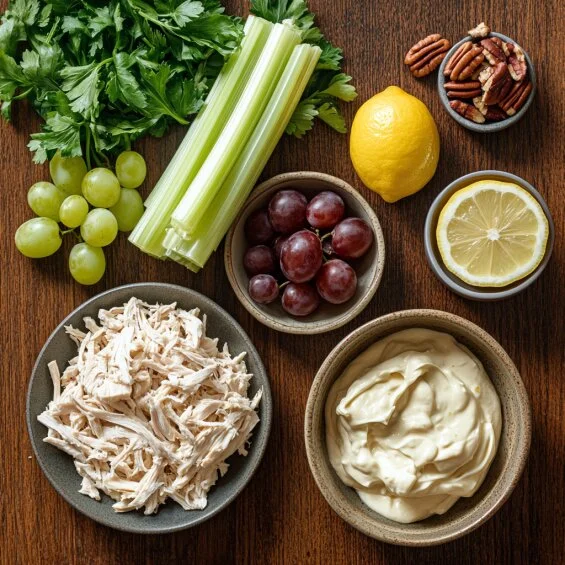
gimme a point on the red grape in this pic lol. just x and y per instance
(336, 281)
(279, 242)
(301, 256)
(263, 289)
(258, 228)
(325, 210)
(287, 211)
(300, 299)
(351, 238)
(259, 260)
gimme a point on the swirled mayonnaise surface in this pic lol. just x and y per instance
(413, 424)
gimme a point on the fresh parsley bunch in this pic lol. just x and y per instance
(103, 74)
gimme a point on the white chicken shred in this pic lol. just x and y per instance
(150, 408)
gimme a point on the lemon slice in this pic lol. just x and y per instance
(492, 233)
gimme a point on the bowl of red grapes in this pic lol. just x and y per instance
(306, 253)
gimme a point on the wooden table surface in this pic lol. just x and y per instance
(281, 516)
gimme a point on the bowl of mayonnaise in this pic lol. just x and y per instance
(417, 427)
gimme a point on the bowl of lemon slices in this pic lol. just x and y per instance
(488, 235)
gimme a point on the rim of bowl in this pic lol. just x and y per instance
(494, 126)
(459, 286)
(266, 420)
(350, 342)
(303, 327)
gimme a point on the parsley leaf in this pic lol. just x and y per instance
(123, 85)
(59, 132)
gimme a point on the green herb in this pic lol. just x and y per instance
(104, 74)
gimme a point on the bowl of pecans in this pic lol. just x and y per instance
(487, 81)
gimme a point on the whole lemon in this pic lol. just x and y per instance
(394, 144)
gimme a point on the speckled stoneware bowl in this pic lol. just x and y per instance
(58, 466)
(369, 268)
(492, 126)
(453, 282)
(467, 513)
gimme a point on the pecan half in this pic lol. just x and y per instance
(480, 105)
(495, 84)
(485, 74)
(517, 64)
(516, 97)
(467, 111)
(482, 30)
(492, 51)
(495, 114)
(424, 57)
(465, 89)
(467, 64)
(454, 59)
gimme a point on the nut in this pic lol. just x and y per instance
(465, 89)
(424, 57)
(516, 98)
(480, 105)
(495, 83)
(492, 51)
(467, 64)
(462, 49)
(482, 30)
(517, 64)
(485, 74)
(495, 114)
(467, 111)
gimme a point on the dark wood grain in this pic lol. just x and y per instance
(281, 517)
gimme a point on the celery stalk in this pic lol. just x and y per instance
(149, 233)
(243, 176)
(270, 66)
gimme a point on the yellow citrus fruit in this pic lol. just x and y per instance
(394, 144)
(492, 233)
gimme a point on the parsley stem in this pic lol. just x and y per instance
(23, 94)
(88, 148)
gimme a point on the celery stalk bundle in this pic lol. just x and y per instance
(228, 145)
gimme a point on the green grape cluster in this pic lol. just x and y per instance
(98, 203)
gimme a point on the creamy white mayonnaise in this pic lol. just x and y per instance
(413, 424)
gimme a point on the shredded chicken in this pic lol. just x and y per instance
(150, 408)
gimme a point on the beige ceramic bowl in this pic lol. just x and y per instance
(468, 513)
(369, 268)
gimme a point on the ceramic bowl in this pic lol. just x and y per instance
(369, 268)
(507, 466)
(58, 466)
(453, 282)
(492, 126)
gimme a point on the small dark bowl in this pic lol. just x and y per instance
(493, 126)
(58, 466)
(453, 282)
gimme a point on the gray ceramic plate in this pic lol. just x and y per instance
(58, 466)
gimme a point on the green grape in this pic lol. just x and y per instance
(101, 187)
(67, 172)
(130, 169)
(45, 199)
(38, 238)
(73, 211)
(99, 228)
(128, 209)
(86, 263)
